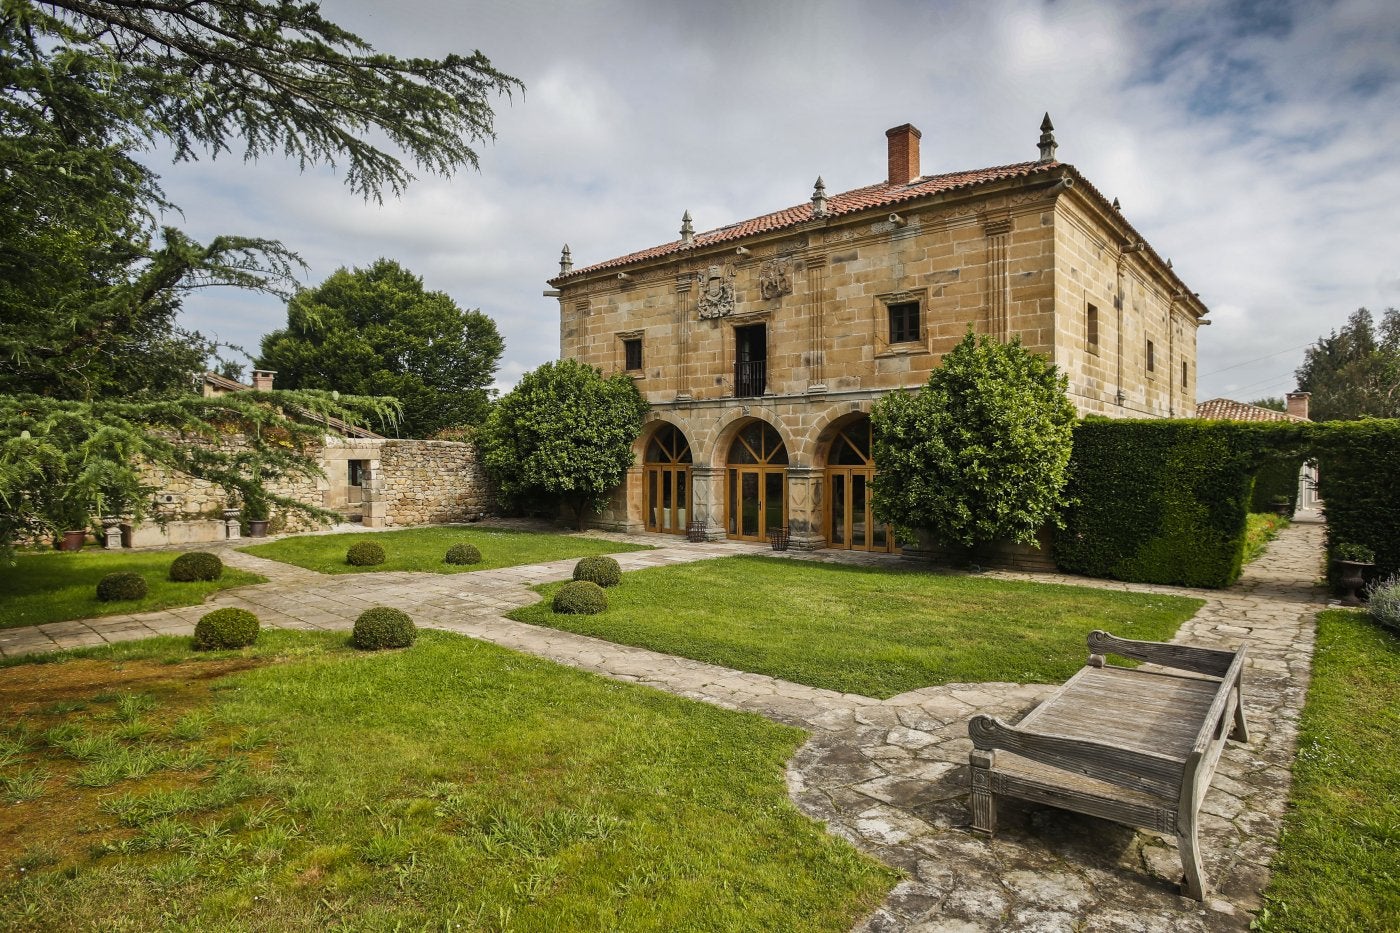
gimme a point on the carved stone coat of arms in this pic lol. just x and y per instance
(716, 292)
(773, 279)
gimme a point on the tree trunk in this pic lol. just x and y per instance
(580, 507)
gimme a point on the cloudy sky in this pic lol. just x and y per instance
(1257, 144)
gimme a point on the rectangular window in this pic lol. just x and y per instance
(1183, 374)
(1091, 328)
(904, 322)
(357, 470)
(1151, 358)
(632, 352)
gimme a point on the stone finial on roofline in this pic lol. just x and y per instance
(819, 198)
(687, 230)
(1047, 139)
(566, 261)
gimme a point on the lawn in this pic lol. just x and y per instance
(454, 785)
(422, 549)
(1260, 529)
(1338, 867)
(873, 631)
(52, 586)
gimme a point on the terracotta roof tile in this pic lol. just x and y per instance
(878, 195)
(343, 427)
(1225, 409)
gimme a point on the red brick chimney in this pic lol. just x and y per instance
(1298, 404)
(904, 153)
(262, 379)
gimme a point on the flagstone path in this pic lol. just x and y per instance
(891, 776)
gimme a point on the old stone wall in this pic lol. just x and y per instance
(425, 482)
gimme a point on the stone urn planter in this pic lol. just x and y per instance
(1352, 560)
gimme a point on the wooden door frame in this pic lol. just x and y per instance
(762, 471)
(661, 470)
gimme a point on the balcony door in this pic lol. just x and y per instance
(750, 360)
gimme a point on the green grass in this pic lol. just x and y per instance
(1260, 529)
(422, 549)
(53, 586)
(453, 785)
(876, 632)
(1338, 867)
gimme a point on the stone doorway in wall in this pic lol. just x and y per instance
(666, 483)
(850, 512)
(357, 471)
(756, 486)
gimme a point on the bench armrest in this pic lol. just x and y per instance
(1124, 767)
(1212, 661)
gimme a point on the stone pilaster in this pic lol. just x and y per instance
(998, 232)
(683, 314)
(816, 304)
(805, 519)
(707, 502)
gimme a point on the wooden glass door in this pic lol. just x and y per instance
(666, 487)
(850, 473)
(756, 493)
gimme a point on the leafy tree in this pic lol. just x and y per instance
(1272, 402)
(1355, 372)
(981, 452)
(376, 331)
(91, 356)
(564, 433)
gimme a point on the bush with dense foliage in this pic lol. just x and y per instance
(364, 554)
(1383, 601)
(980, 452)
(382, 627)
(122, 585)
(604, 571)
(225, 629)
(563, 434)
(463, 554)
(1165, 501)
(1357, 480)
(196, 566)
(580, 597)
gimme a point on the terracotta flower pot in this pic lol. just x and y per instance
(257, 528)
(73, 540)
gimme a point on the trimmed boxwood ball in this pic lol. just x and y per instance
(364, 554)
(603, 571)
(463, 554)
(382, 627)
(196, 566)
(225, 628)
(121, 585)
(581, 597)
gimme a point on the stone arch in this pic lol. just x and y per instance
(716, 452)
(830, 424)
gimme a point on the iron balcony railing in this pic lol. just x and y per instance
(750, 379)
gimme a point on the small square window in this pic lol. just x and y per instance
(1091, 328)
(1151, 358)
(632, 353)
(904, 322)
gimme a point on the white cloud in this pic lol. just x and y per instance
(1255, 145)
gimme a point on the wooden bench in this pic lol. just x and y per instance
(1131, 745)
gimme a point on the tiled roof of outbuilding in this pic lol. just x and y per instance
(882, 194)
(1226, 409)
(335, 424)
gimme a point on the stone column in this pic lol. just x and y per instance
(707, 490)
(805, 501)
(112, 532)
(816, 287)
(998, 232)
(374, 508)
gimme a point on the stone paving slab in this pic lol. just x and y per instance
(891, 776)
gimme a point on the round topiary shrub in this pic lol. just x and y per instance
(1383, 601)
(225, 628)
(196, 566)
(382, 627)
(463, 554)
(364, 554)
(581, 597)
(603, 571)
(121, 585)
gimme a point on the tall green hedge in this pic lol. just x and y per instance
(1359, 482)
(1164, 501)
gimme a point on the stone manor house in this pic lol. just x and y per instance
(761, 345)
